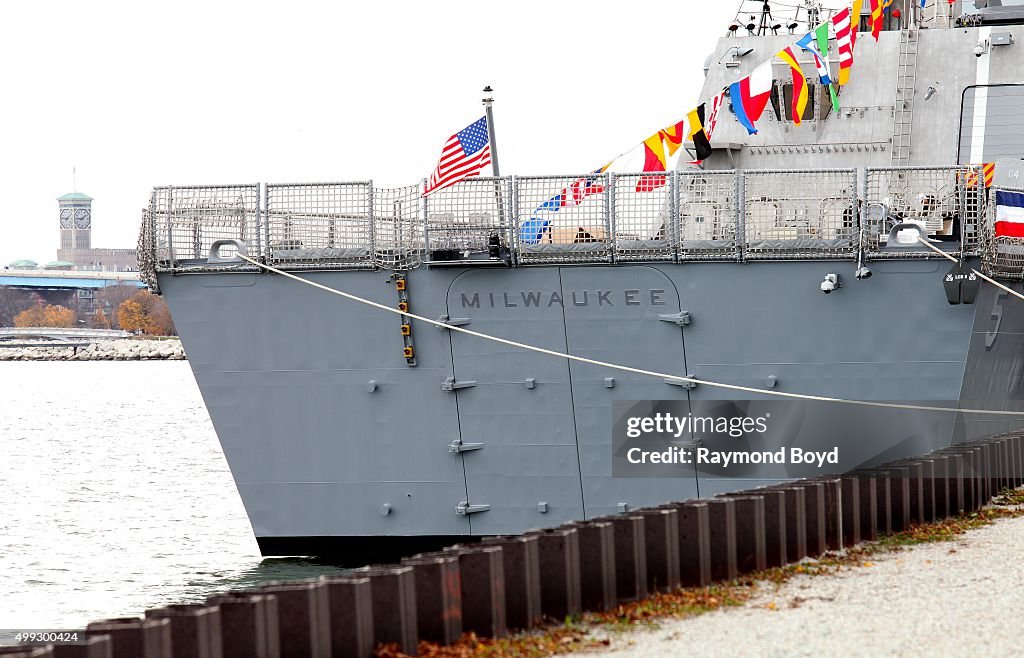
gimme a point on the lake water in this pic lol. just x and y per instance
(115, 496)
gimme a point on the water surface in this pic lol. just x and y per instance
(115, 495)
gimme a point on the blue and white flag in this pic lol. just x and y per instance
(807, 43)
(532, 230)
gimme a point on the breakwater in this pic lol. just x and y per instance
(516, 583)
(106, 350)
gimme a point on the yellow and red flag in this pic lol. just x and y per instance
(878, 8)
(799, 84)
(660, 151)
(988, 171)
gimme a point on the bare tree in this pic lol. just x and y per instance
(12, 302)
(110, 299)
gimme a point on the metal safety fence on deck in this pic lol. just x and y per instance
(800, 214)
(1002, 255)
(610, 218)
(947, 202)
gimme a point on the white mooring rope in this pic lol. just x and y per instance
(945, 255)
(613, 366)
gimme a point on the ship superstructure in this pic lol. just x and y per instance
(347, 428)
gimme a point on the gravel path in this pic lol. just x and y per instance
(959, 598)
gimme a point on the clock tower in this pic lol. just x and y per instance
(75, 221)
(75, 212)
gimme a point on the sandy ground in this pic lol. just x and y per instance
(959, 598)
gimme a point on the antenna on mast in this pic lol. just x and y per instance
(766, 20)
(74, 180)
(813, 8)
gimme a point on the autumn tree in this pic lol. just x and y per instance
(13, 302)
(146, 313)
(100, 320)
(130, 316)
(110, 299)
(45, 315)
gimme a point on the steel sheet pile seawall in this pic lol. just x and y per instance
(474, 586)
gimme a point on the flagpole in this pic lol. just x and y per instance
(488, 102)
(489, 113)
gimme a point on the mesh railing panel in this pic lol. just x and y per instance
(1002, 256)
(947, 202)
(641, 215)
(591, 218)
(397, 227)
(188, 220)
(319, 225)
(800, 214)
(464, 217)
(708, 222)
(562, 219)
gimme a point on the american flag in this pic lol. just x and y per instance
(464, 155)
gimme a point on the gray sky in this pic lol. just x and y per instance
(137, 94)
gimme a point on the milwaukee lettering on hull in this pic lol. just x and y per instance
(545, 299)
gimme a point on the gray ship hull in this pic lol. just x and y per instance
(339, 446)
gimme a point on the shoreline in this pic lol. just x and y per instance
(123, 349)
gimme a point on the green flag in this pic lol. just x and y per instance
(822, 36)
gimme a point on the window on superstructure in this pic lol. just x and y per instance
(825, 102)
(775, 100)
(787, 98)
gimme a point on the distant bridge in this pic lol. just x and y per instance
(66, 280)
(39, 335)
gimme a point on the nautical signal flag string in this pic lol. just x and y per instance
(749, 97)
(657, 154)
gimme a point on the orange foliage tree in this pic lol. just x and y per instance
(146, 313)
(100, 320)
(130, 316)
(45, 315)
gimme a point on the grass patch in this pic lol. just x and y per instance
(576, 634)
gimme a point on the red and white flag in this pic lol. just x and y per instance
(464, 155)
(756, 91)
(844, 37)
(714, 106)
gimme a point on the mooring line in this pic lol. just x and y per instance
(614, 366)
(954, 259)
